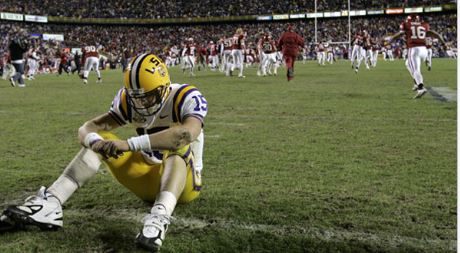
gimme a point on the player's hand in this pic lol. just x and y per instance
(107, 149)
(121, 145)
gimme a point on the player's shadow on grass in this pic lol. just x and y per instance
(117, 238)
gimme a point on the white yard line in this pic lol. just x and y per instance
(333, 235)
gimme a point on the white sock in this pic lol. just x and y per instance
(165, 202)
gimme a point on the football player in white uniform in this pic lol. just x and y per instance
(161, 165)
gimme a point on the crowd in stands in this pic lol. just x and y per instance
(116, 40)
(185, 9)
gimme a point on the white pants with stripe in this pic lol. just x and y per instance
(415, 57)
(238, 60)
(429, 55)
(91, 63)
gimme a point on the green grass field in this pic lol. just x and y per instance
(331, 162)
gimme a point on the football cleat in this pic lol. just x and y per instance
(42, 210)
(6, 224)
(290, 73)
(153, 234)
(415, 88)
(12, 82)
(420, 93)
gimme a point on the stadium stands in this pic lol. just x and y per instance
(184, 9)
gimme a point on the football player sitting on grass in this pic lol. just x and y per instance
(161, 165)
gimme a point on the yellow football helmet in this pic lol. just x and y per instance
(146, 81)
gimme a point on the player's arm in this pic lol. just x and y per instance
(172, 138)
(394, 36)
(88, 137)
(437, 35)
(279, 44)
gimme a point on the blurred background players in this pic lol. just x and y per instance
(320, 54)
(91, 62)
(64, 63)
(290, 43)
(268, 52)
(18, 46)
(33, 61)
(188, 56)
(237, 51)
(213, 56)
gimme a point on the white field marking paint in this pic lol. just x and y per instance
(443, 93)
(323, 118)
(229, 123)
(214, 136)
(339, 235)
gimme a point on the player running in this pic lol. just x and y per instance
(416, 30)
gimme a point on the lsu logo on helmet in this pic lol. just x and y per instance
(147, 84)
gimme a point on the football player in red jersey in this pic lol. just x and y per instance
(237, 51)
(90, 61)
(290, 43)
(63, 64)
(416, 30)
(357, 51)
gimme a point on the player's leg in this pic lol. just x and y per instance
(191, 60)
(179, 183)
(417, 56)
(45, 208)
(95, 66)
(86, 70)
(177, 179)
(240, 57)
(428, 58)
(290, 67)
(353, 55)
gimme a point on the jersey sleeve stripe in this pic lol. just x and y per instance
(198, 116)
(123, 106)
(175, 118)
(116, 118)
(180, 100)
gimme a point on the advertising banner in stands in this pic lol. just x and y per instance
(280, 17)
(33, 18)
(58, 37)
(433, 9)
(315, 15)
(294, 16)
(75, 50)
(332, 14)
(395, 11)
(358, 13)
(11, 16)
(413, 10)
(264, 18)
(375, 12)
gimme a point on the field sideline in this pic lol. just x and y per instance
(331, 162)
